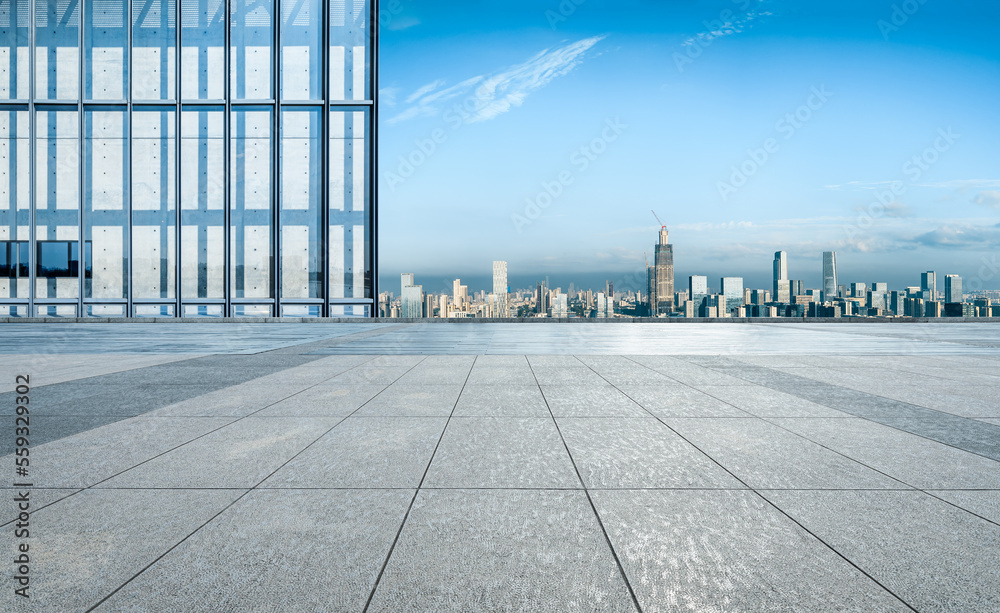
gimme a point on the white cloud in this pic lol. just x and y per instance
(988, 198)
(488, 96)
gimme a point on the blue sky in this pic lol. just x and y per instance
(543, 133)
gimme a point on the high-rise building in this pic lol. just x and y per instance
(928, 285)
(664, 274)
(405, 279)
(197, 158)
(953, 289)
(780, 290)
(651, 289)
(697, 289)
(500, 289)
(732, 294)
(796, 288)
(412, 303)
(830, 287)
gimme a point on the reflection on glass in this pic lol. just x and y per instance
(153, 202)
(57, 195)
(349, 50)
(251, 203)
(301, 212)
(14, 203)
(154, 42)
(301, 55)
(57, 50)
(105, 212)
(15, 50)
(203, 43)
(350, 275)
(250, 54)
(106, 36)
(203, 201)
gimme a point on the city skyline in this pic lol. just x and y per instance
(866, 118)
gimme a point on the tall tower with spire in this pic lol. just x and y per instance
(664, 264)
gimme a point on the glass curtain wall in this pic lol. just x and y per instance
(187, 158)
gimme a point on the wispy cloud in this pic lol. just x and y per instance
(963, 236)
(988, 198)
(735, 25)
(488, 96)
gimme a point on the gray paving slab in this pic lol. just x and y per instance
(48, 428)
(916, 461)
(971, 435)
(239, 455)
(89, 457)
(307, 550)
(501, 401)
(763, 455)
(680, 402)
(932, 555)
(766, 402)
(984, 503)
(577, 376)
(501, 375)
(89, 544)
(413, 400)
(506, 550)
(365, 452)
(324, 400)
(38, 497)
(728, 551)
(638, 453)
(590, 401)
(501, 452)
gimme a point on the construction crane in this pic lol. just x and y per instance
(663, 226)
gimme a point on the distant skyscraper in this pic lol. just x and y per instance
(697, 289)
(781, 290)
(953, 288)
(651, 289)
(664, 274)
(406, 279)
(732, 293)
(928, 285)
(413, 301)
(829, 275)
(500, 289)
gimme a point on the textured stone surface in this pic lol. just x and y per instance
(475, 550)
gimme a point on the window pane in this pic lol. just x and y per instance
(203, 43)
(106, 36)
(14, 203)
(301, 55)
(349, 50)
(57, 204)
(15, 49)
(251, 38)
(203, 201)
(251, 245)
(57, 50)
(350, 268)
(153, 49)
(105, 212)
(153, 202)
(301, 212)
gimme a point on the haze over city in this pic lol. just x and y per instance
(750, 127)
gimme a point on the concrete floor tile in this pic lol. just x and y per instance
(87, 545)
(365, 452)
(576, 401)
(984, 503)
(765, 402)
(407, 400)
(318, 549)
(324, 400)
(728, 551)
(501, 452)
(932, 555)
(239, 455)
(680, 402)
(501, 401)
(38, 498)
(501, 551)
(638, 453)
(916, 461)
(763, 455)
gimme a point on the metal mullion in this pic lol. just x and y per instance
(324, 189)
(177, 157)
(81, 266)
(372, 151)
(227, 248)
(351, 103)
(129, 309)
(276, 157)
(32, 267)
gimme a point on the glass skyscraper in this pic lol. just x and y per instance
(187, 158)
